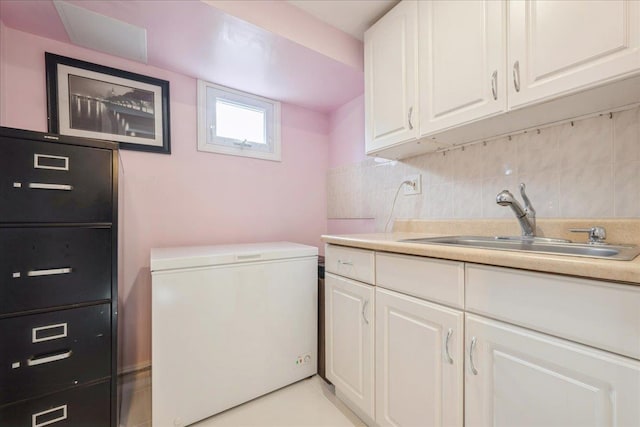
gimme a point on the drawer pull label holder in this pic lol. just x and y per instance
(48, 333)
(62, 410)
(47, 161)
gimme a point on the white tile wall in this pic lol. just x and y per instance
(587, 169)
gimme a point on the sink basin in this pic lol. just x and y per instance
(536, 245)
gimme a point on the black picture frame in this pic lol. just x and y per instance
(94, 101)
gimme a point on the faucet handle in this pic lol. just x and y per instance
(596, 234)
(527, 203)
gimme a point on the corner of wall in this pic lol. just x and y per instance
(346, 133)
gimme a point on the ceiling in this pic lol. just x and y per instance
(351, 16)
(196, 39)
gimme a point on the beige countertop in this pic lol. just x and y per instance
(619, 271)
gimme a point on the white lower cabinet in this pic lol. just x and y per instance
(564, 352)
(517, 377)
(349, 338)
(419, 362)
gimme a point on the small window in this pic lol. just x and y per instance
(237, 123)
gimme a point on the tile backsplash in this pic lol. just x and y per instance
(586, 169)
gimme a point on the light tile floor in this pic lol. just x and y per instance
(307, 403)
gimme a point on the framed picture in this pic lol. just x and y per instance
(93, 101)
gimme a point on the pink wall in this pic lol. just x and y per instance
(189, 197)
(347, 133)
(346, 146)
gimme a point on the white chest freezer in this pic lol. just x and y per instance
(229, 323)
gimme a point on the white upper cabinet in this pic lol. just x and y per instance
(391, 100)
(556, 47)
(462, 51)
(443, 73)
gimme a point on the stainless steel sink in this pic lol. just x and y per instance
(536, 245)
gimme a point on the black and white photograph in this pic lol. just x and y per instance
(89, 100)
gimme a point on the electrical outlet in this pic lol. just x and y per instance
(416, 188)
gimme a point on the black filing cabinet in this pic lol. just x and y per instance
(58, 280)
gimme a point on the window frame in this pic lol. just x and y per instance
(220, 145)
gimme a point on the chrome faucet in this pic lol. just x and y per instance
(526, 217)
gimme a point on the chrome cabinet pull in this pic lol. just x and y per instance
(63, 416)
(471, 363)
(494, 84)
(364, 307)
(345, 262)
(516, 75)
(446, 346)
(35, 361)
(49, 272)
(409, 117)
(42, 186)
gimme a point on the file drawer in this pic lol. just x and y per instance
(48, 267)
(47, 352)
(47, 182)
(78, 407)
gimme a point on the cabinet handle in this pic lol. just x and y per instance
(364, 307)
(494, 84)
(63, 416)
(345, 262)
(49, 272)
(34, 361)
(446, 346)
(409, 117)
(471, 348)
(516, 75)
(42, 186)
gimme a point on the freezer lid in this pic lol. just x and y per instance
(203, 256)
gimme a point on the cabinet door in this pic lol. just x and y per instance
(516, 377)
(419, 362)
(556, 47)
(349, 333)
(462, 62)
(390, 63)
